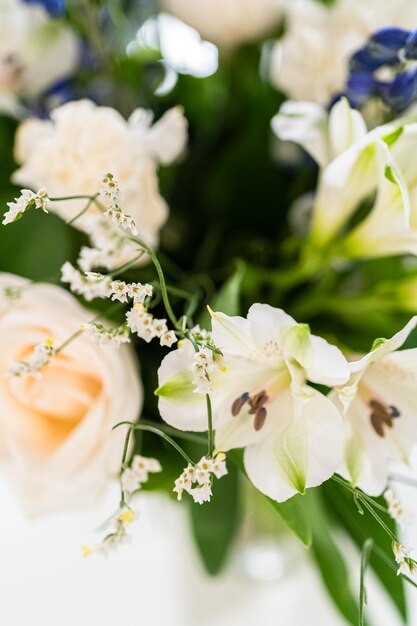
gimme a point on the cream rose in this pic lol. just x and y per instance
(56, 431)
(69, 155)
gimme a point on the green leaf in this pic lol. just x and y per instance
(215, 523)
(362, 527)
(329, 559)
(294, 515)
(36, 246)
(227, 299)
(292, 512)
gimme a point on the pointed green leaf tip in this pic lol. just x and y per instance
(378, 343)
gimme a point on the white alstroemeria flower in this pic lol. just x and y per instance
(323, 135)
(356, 165)
(379, 403)
(292, 434)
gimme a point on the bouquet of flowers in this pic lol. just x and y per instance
(209, 276)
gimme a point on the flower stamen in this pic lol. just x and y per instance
(381, 416)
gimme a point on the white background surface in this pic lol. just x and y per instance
(155, 581)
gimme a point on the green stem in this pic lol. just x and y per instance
(79, 197)
(123, 462)
(160, 433)
(180, 434)
(379, 520)
(366, 553)
(210, 432)
(181, 293)
(161, 277)
(79, 332)
(80, 213)
(359, 494)
(126, 265)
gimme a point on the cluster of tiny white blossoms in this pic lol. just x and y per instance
(27, 200)
(396, 509)
(138, 292)
(147, 327)
(90, 285)
(41, 356)
(201, 474)
(118, 535)
(131, 480)
(106, 336)
(207, 359)
(406, 565)
(109, 191)
(134, 476)
(118, 218)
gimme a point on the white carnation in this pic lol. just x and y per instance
(69, 153)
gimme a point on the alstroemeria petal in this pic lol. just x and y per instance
(304, 123)
(387, 229)
(383, 347)
(346, 127)
(365, 461)
(299, 453)
(326, 364)
(344, 183)
(266, 324)
(178, 405)
(389, 382)
(231, 333)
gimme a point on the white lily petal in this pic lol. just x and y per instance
(365, 462)
(326, 364)
(384, 347)
(346, 126)
(387, 229)
(239, 431)
(304, 123)
(344, 183)
(266, 324)
(299, 453)
(401, 151)
(389, 381)
(231, 334)
(349, 179)
(178, 405)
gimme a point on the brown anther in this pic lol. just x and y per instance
(382, 416)
(239, 403)
(257, 401)
(260, 418)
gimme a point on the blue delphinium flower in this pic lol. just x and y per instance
(393, 48)
(56, 8)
